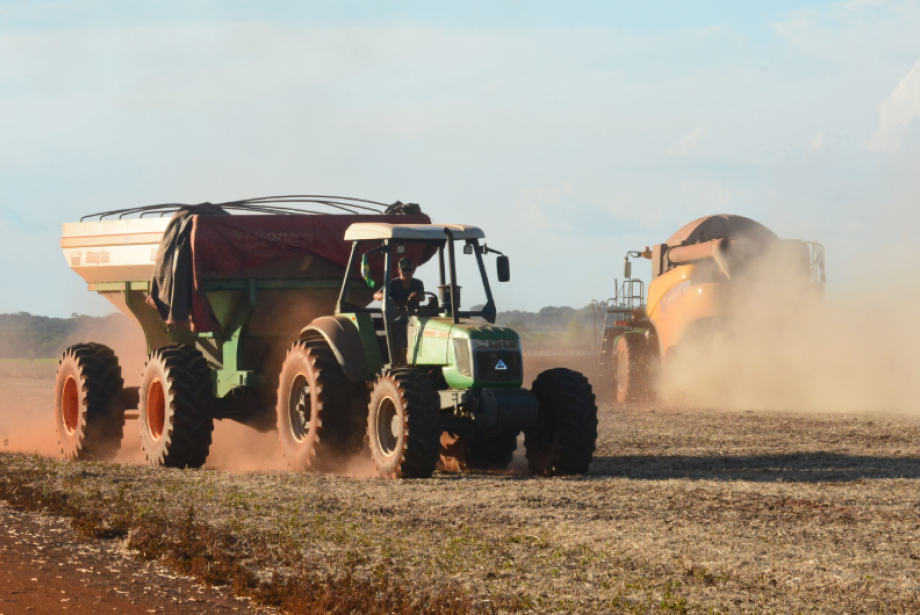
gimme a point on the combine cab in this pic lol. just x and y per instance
(694, 276)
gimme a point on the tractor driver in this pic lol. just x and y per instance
(406, 293)
(404, 290)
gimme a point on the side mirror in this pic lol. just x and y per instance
(627, 270)
(504, 268)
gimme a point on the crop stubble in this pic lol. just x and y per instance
(696, 512)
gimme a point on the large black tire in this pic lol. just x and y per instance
(459, 453)
(564, 440)
(402, 424)
(176, 408)
(88, 407)
(316, 409)
(633, 369)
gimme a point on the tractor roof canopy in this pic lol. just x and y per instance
(422, 232)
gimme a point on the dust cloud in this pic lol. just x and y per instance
(786, 347)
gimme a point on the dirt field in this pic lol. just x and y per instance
(49, 568)
(684, 512)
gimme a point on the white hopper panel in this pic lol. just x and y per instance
(113, 250)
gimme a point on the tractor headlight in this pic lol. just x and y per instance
(462, 358)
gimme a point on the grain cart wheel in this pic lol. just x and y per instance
(315, 409)
(88, 409)
(633, 368)
(176, 408)
(566, 434)
(402, 424)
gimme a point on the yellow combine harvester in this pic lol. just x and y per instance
(694, 276)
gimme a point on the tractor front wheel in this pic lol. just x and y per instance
(402, 424)
(176, 408)
(88, 410)
(564, 440)
(315, 408)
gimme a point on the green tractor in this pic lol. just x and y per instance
(427, 385)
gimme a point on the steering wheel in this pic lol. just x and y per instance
(429, 305)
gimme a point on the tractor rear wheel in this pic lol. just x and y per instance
(315, 409)
(88, 407)
(633, 368)
(176, 408)
(564, 440)
(402, 424)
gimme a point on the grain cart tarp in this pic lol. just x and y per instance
(202, 243)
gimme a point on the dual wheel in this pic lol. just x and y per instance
(176, 405)
(88, 411)
(176, 408)
(322, 421)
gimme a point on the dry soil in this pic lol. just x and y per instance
(683, 512)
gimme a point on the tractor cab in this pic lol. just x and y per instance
(402, 329)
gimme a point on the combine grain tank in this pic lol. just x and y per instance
(220, 291)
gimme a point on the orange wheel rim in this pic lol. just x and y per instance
(156, 409)
(70, 405)
(389, 426)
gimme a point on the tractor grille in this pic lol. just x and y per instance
(489, 364)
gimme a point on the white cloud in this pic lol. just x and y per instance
(688, 142)
(817, 143)
(896, 112)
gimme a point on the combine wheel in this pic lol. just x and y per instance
(566, 434)
(633, 368)
(402, 424)
(316, 423)
(88, 408)
(176, 408)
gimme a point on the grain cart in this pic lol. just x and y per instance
(430, 381)
(219, 298)
(690, 295)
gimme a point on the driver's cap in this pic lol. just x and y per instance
(405, 263)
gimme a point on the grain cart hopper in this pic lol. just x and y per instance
(219, 297)
(690, 294)
(429, 381)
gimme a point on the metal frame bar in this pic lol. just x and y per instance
(261, 205)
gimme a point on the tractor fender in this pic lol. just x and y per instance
(342, 336)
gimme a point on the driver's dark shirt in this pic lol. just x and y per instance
(400, 294)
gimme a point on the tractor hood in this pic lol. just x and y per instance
(444, 327)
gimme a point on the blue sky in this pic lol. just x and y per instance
(570, 132)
